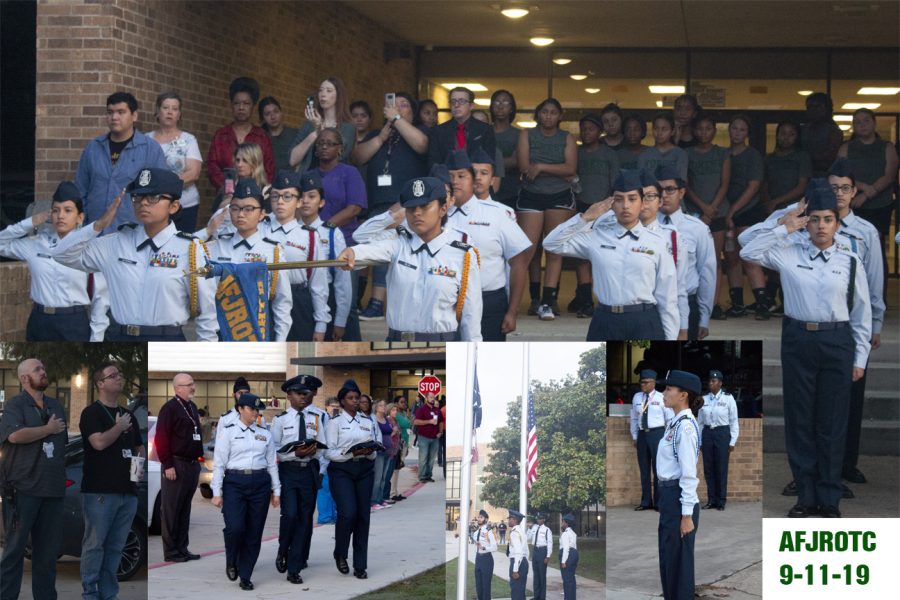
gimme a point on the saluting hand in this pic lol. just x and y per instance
(794, 221)
(398, 213)
(598, 209)
(107, 217)
(217, 501)
(349, 257)
(39, 218)
(218, 217)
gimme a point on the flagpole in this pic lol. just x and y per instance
(523, 434)
(465, 475)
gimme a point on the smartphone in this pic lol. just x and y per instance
(311, 102)
(389, 99)
(229, 180)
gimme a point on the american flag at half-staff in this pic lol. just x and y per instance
(476, 414)
(532, 445)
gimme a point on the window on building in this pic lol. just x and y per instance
(454, 468)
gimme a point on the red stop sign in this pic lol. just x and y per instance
(430, 384)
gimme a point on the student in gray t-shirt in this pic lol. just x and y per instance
(709, 170)
(664, 152)
(503, 113)
(787, 170)
(635, 130)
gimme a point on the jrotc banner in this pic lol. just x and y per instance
(242, 304)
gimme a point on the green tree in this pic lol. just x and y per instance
(571, 423)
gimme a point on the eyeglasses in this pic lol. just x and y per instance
(651, 197)
(459, 101)
(151, 200)
(116, 375)
(670, 190)
(244, 210)
(842, 189)
(287, 197)
(327, 144)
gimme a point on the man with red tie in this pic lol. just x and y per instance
(461, 132)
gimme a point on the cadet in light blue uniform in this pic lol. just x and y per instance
(67, 304)
(245, 479)
(719, 420)
(351, 475)
(824, 342)
(568, 556)
(633, 273)
(649, 417)
(298, 470)
(517, 551)
(485, 541)
(150, 297)
(543, 549)
(676, 466)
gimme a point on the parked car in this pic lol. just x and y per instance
(153, 479)
(134, 554)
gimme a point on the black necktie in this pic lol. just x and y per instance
(645, 414)
(148, 242)
(667, 220)
(242, 243)
(301, 435)
(629, 233)
(820, 255)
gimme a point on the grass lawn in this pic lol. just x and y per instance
(591, 558)
(433, 584)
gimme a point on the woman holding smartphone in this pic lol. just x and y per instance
(329, 108)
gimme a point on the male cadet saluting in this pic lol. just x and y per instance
(649, 417)
(517, 550)
(485, 545)
(296, 434)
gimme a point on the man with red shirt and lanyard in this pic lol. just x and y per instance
(430, 424)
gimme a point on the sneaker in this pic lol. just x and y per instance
(373, 312)
(585, 311)
(574, 305)
(555, 308)
(718, 314)
(533, 307)
(545, 313)
(737, 311)
(777, 311)
(762, 312)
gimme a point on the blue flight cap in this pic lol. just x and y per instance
(842, 168)
(666, 172)
(482, 158)
(295, 384)
(421, 191)
(628, 180)
(457, 159)
(286, 179)
(516, 514)
(648, 374)
(819, 195)
(714, 374)
(66, 190)
(311, 382)
(310, 180)
(251, 400)
(569, 518)
(349, 386)
(684, 380)
(247, 188)
(648, 179)
(439, 171)
(483, 513)
(150, 182)
(240, 384)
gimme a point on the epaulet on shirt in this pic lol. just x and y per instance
(229, 425)
(185, 235)
(224, 413)
(128, 225)
(403, 231)
(281, 414)
(329, 225)
(461, 245)
(273, 242)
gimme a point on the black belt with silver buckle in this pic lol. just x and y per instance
(810, 326)
(412, 336)
(294, 463)
(618, 309)
(244, 471)
(649, 429)
(139, 330)
(61, 310)
(667, 482)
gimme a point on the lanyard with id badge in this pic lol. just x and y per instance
(385, 180)
(136, 470)
(195, 423)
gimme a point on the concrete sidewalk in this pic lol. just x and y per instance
(728, 555)
(68, 581)
(403, 540)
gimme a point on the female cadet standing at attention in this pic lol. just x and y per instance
(351, 475)
(633, 272)
(824, 342)
(149, 296)
(719, 420)
(64, 305)
(485, 545)
(433, 295)
(568, 556)
(679, 507)
(245, 478)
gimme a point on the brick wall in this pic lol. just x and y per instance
(87, 49)
(623, 479)
(15, 305)
(365, 348)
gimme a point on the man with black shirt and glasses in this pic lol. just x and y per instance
(178, 448)
(112, 441)
(32, 482)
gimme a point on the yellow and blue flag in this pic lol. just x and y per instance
(242, 301)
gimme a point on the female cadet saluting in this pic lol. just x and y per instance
(433, 279)
(67, 304)
(633, 272)
(676, 466)
(351, 476)
(719, 420)
(824, 342)
(149, 296)
(244, 476)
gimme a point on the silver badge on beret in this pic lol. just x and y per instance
(418, 189)
(248, 191)
(144, 178)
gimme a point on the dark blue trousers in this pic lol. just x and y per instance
(854, 422)
(693, 317)
(51, 328)
(540, 573)
(298, 502)
(484, 571)
(351, 487)
(676, 553)
(818, 372)
(715, 463)
(517, 586)
(245, 504)
(42, 519)
(568, 574)
(647, 443)
(494, 307)
(302, 323)
(639, 325)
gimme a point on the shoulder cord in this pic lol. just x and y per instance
(674, 246)
(193, 285)
(851, 286)
(463, 286)
(274, 275)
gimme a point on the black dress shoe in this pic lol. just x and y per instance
(800, 511)
(295, 578)
(360, 574)
(342, 565)
(847, 493)
(709, 505)
(178, 558)
(854, 475)
(280, 563)
(829, 512)
(430, 480)
(790, 489)
(642, 507)
(720, 507)
(246, 585)
(231, 572)
(191, 556)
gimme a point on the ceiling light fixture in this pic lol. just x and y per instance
(577, 77)
(542, 41)
(843, 118)
(844, 127)
(527, 124)
(514, 13)
(666, 89)
(475, 87)
(561, 61)
(592, 90)
(878, 91)
(858, 105)
(805, 92)
(659, 104)
(483, 101)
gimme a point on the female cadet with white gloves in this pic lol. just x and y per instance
(676, 467)
(824, 342)
(719, 420)
(245, 479)
(67, 304)
(433, 280)
(352, 440)
(633, 271)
